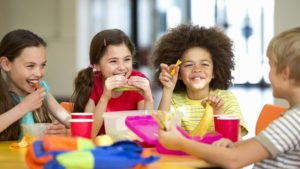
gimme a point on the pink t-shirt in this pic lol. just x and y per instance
(127, 101)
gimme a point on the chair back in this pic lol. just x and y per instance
(68, 106)
(268, 114)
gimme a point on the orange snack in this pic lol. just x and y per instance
(37, 86)
(172, 73)
(25, 142)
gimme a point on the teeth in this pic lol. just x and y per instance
(197, 78)
(123, 74)
(32, 82)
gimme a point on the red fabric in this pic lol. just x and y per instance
(127, 101)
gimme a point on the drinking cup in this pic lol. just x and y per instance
(82, 115)
(229, 127)
(81, 127)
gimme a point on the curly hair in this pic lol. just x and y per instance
(174, 43)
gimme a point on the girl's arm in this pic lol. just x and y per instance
(58, 111)
(242, 154)
(9, 117)
(168, 81)
(98, 112)
(28, 104)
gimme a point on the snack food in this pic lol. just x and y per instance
(126, 88)
(37, 86)
(172, 73)
(204, 123)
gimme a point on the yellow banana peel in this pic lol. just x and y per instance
(203, 125)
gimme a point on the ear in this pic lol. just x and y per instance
(286, 73)
(4, 63)
(97, 67)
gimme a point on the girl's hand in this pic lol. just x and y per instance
(111, 83)
(33, 101)
(216, 102)
(141, 83)
(224, 142)
(167, 80)
(56, 128)
(170, 138)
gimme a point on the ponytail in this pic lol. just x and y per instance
(83, 87)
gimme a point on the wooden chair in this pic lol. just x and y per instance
(68, 106)
(267, 115)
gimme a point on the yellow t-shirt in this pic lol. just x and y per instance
(193, 110)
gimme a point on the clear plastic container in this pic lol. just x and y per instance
(34, 130)
(115, 126)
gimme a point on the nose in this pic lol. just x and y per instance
(197, 68)
(38, 71)
(121, 66)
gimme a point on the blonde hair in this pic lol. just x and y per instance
(285, 50)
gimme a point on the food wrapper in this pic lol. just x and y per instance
(167, 119)
(24, 142)
(172, 73)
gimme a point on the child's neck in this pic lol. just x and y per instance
(293, 96)
(197, 94)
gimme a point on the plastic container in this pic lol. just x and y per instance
(35, 130)
(115, 127)
(147, 129)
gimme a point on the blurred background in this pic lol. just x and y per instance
(69, 25)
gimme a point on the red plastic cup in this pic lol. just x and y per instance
(82, 115)
(216, 121)
(81, 128)
(228, 126)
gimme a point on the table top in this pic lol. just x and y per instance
(15, 159)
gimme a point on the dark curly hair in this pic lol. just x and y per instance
(174, 43)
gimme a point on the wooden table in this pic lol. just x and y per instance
(11, 158)
(15, 159)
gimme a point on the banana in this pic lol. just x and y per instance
(205, 122)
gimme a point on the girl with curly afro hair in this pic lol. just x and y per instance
(204, 74)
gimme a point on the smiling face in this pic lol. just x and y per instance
(26, 70)
(117, 60)
(196, 69)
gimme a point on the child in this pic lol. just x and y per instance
(204, 75)
(22, 63)
(111, 60)
(278, 146)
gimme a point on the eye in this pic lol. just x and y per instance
(30, 66)
(113, 61)
(128, 59)
(188, 65)
(205, 64)
(44, 65)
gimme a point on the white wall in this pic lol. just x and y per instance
(53, 20)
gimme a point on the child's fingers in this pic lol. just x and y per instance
(164, 67)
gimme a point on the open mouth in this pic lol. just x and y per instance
(120, 74)
(32, 82)
(197, 78)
